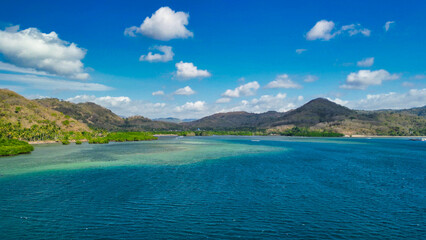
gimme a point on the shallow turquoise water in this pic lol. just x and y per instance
(217, 188)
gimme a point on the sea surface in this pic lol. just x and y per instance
(217, 188)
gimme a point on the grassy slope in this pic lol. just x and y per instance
(16, 109)
(99, 117)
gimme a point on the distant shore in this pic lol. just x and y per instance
(175, 135)
(52, 141)
(165, 135)
(376, 136)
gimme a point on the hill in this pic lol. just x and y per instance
(234, 120)
(319, 114)
(98, 117)
(419, 111)
(90, 113)
(50, 116)
(19, 116)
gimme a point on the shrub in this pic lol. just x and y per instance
(9, 147)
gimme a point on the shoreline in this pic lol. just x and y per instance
(53, 141)
(175, 135)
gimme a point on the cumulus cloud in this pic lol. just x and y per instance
(46, 52)
(158, 93)
(47, 83)
(388, 24)
(325, 30)
(188, 70)
(282, 81)
(321, 30)
(105, 101)
(157, 57)
(301, 50)
(184, 91)
(339, 101)
(364, 78)
(310, 78)
(247, 89)
(12, 68)
(366, 62)
(192, 106)
(265, 103)
(165, 24)
(392, 100)
(223, 100)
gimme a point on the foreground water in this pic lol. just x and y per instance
(217, 188)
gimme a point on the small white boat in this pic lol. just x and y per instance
(419, 139)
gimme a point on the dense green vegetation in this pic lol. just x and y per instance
(9, 147)
(296, 131)
(305, 132)
(123, 137)
(211, 133)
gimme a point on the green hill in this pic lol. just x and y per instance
(98, 117)
(26, 119)
(50, 117)
(319, 114)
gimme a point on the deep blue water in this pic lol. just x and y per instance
(217, 188)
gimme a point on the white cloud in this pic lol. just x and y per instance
(366, 62)
(247, 89)
(283, 81)
(158, 93)
(33, 49)
(192, 106)
(223, 100)
(12, 68)
(46, 83)
(165, 24)
(387, 25)
(408, 84)
(265, 103)
(301, 50)
(339, 101)
(188, 70)
(184, 91)
(323, 30)
(310, 78)
(392, 100)
(354, 29)
(104, 101)
(156, 57)
(364, 78)
(300, 98)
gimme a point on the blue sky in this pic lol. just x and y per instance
(216, 56)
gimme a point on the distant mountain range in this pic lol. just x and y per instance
(317, 114)
(321, 113)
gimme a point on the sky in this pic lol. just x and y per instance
(190, 59)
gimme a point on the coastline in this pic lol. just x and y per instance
(53, 141)
(175, 135)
